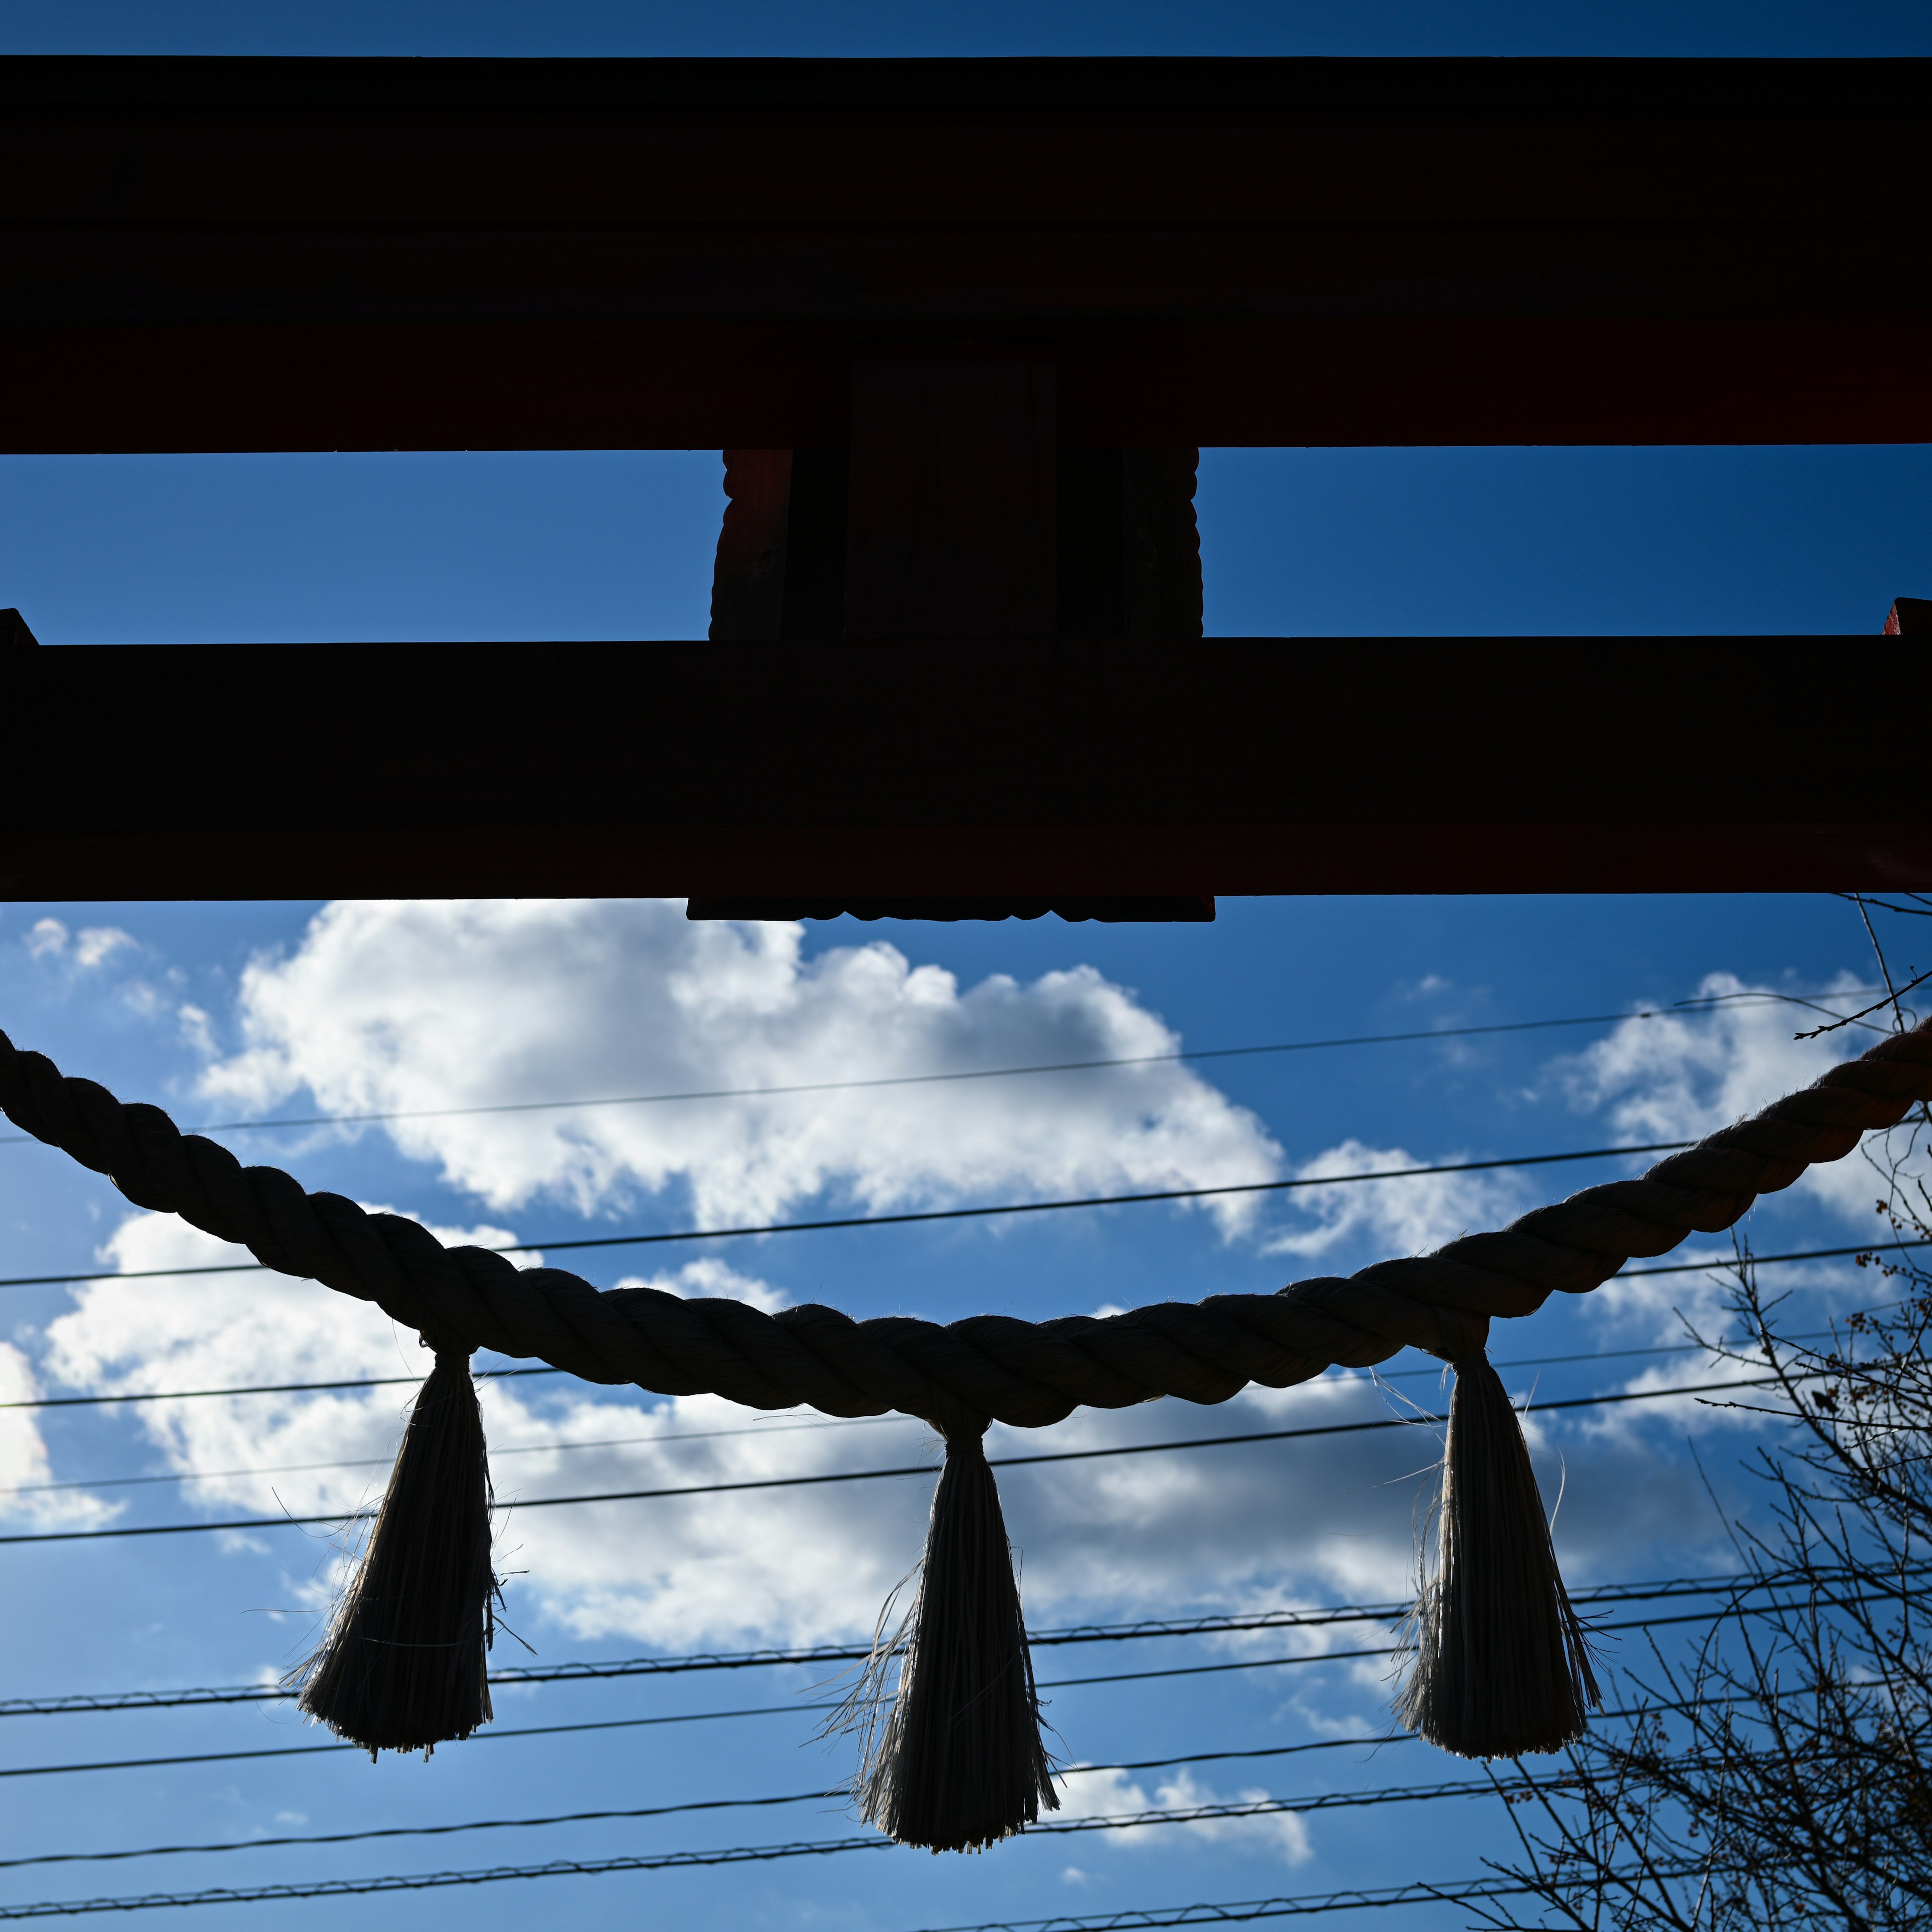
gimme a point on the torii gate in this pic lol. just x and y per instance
(960, 326)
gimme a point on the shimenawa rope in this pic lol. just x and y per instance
(1494, 1619)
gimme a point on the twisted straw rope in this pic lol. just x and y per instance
(958, 1375)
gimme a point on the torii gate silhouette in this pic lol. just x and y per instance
(960, 326)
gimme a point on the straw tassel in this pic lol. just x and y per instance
(404, 1665)
(1502, 1665)
(959, 1763)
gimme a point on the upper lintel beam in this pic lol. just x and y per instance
(262, 254)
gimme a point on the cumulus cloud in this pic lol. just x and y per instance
(384, 1007)
(1250, 1526)
(712, 1277)
(145, 1337)
(770, 1567)
(408, 1006)
(91, 946)
(1254, 1526)
(1679, 1077)
(24, 1472)
(1115, 1794)
(1401, 1217)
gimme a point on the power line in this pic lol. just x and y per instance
(341, 1517)
(913, 1218)
(1246, 1911)
(601, 1817)
(1239, 1912)
(794, 1798)
(1611, 1354)
(516, 1449)
(733, 1855)
(493, 1734)
(767, 1428)
(1475, 1787)
(506, 1375)
(770, 1428)
(694, 1436)
(417, 1831)
(251, 1388)
(971, 1073)
(1766, 1261)
(1147, 1630)
(1339, 1656)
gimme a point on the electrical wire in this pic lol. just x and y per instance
(412, 1881)
(980, 1072)
(740, 1854)
(1146, 1630)
(1317, 1801)
(916, 1218)
(516, 1449)
(493, 1734)
(768, 1428)
(1312, 1802)
(1766, 1261)
(572, 1244)
(496, 1734)
(966, 1213)
(342, 1517)
(506, 1375)
(1247, 1911)
(1240, 1912)
(253, 1388)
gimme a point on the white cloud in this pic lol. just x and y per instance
(23, 1456)
(197, 1029)
(408, 1006)
(388, 1007)
(789, 1566)
(95, 944)
(45, 937)
(713, 1277)
(1680, 1077)
(1258, 1526)
(765, 1567)
(92, 945)
(1394, 1217)
(1113, 1794)
(231, 1330)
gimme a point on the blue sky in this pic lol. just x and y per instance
(222, 1011)
(225, 1011)
(1323, 542)
(1874, 27)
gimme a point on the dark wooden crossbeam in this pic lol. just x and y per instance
(963, 325)
(806, 775)
(291, 254)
